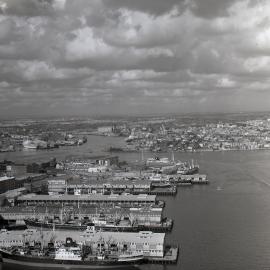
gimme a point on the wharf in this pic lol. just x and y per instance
(96, 200)
(150, 244)
(159, 191)
(189, 179)
(170, 256)
(164, 226)
(19, 213)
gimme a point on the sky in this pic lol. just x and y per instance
(128, 57)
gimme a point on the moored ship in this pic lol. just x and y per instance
(30, 144)
(122, 226)
(187, 169)
(159, 162)
(69, 255)
(168, 166)
(78, 226)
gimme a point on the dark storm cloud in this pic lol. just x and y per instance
(114, 56)
(211, 8)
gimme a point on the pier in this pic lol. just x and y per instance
(170, 256)
(188, 179)
(160, 191)
(125, 200)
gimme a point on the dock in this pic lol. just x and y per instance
(164, 226)
(159, 191)
(170, 256)
(189, 179)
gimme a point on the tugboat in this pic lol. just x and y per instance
(69, 255)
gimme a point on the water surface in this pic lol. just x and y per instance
(221, 226)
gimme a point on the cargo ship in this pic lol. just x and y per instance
(69, 255)
(79, 226)
(168, 166)
(166, 225)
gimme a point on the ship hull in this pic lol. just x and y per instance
(30, 147)
(35, 224)
(190, 171)
(42, 263)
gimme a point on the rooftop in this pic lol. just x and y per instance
(108, 182)
(95, 236)
(88, 197)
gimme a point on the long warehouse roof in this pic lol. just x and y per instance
(88, 197)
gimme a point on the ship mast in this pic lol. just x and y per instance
(172, 156)
(42, 238)
(61, 214)
(46, 213)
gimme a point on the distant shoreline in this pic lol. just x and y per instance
(184, 151)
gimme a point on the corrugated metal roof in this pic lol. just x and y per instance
(88, 197)
(88, 235)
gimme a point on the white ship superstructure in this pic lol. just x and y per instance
(30, 144)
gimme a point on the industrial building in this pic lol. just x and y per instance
(149, 243)
(61, 186)
(140, 215)
(90, 199)
(91, 165)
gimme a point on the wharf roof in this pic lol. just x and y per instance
(192, 176)
(109, 183)
(89, 197)
(88, 236)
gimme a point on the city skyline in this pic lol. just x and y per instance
(62, 57)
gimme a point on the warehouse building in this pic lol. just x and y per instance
(127, 200)
(148, 243)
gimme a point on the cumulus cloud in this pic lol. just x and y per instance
(115, 56)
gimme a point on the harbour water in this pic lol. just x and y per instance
(224, 225)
